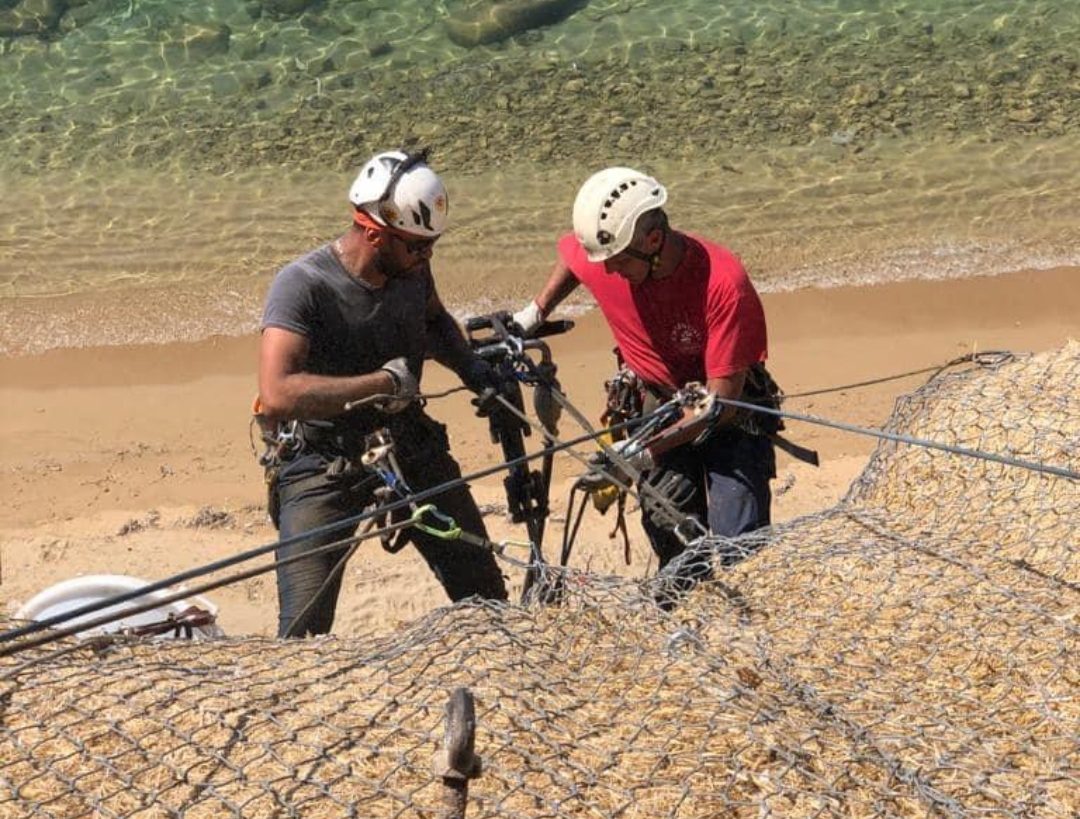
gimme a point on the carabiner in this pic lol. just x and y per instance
(452, 530)
(690, 531)
(515, 345)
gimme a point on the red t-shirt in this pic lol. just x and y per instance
(703, 321)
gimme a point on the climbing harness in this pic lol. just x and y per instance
(624, 401)
(518, 362)
(281, 440)
(627, 397)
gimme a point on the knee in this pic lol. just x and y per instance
(734, 509)
(468, 572)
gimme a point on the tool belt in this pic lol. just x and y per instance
(347, 437)
(761, 389)
(283, 441)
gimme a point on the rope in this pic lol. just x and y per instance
(1033, 466)
(988, 358)
(554, 446)
(247, 574)
(422, 396)
(333, 573)
(451, 532)
(209, 568)
(676, 515)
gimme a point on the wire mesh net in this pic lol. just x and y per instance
(912, 651)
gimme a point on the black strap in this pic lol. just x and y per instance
(800, 453)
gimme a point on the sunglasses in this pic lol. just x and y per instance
(415, 246)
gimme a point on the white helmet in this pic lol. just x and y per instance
(607, 208)
(399, 190)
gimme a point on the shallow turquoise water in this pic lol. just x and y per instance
(150, 144)
(228, 84)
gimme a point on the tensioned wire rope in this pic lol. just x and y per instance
(554, 446)
(984, 359)
(675, 518)
(1033, 466)
(247, 574)
(351, 541)
(199, 571)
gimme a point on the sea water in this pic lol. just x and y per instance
(162, 159)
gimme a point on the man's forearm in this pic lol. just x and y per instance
(305, 396)
(559, 285)
(446, 342)
(694, 422)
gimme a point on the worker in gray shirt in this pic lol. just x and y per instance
(345, 323)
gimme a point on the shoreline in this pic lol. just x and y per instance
(113, 455)
(126, 319)
(105, 266)
(985, 303)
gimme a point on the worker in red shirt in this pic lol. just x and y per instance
(681, 309)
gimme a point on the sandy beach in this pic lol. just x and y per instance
(900, 181)
(136, 460)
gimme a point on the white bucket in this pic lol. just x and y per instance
(69, 595)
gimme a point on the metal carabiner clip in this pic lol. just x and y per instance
(452, 530)
(690, 530)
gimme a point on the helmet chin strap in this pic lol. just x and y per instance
(651, 259)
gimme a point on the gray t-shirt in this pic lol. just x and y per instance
(353, 328)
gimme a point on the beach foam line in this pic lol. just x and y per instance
(162, 315)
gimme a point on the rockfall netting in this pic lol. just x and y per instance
(911, 652)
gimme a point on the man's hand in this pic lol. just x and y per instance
(406, 387)
(665, 485)
(636, 454)
(478, 375)
(528, 318)
(604, 470)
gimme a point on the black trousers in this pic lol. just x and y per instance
(309, 498)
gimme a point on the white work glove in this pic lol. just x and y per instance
(406, 387)
(635, 454)
(528, 318)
